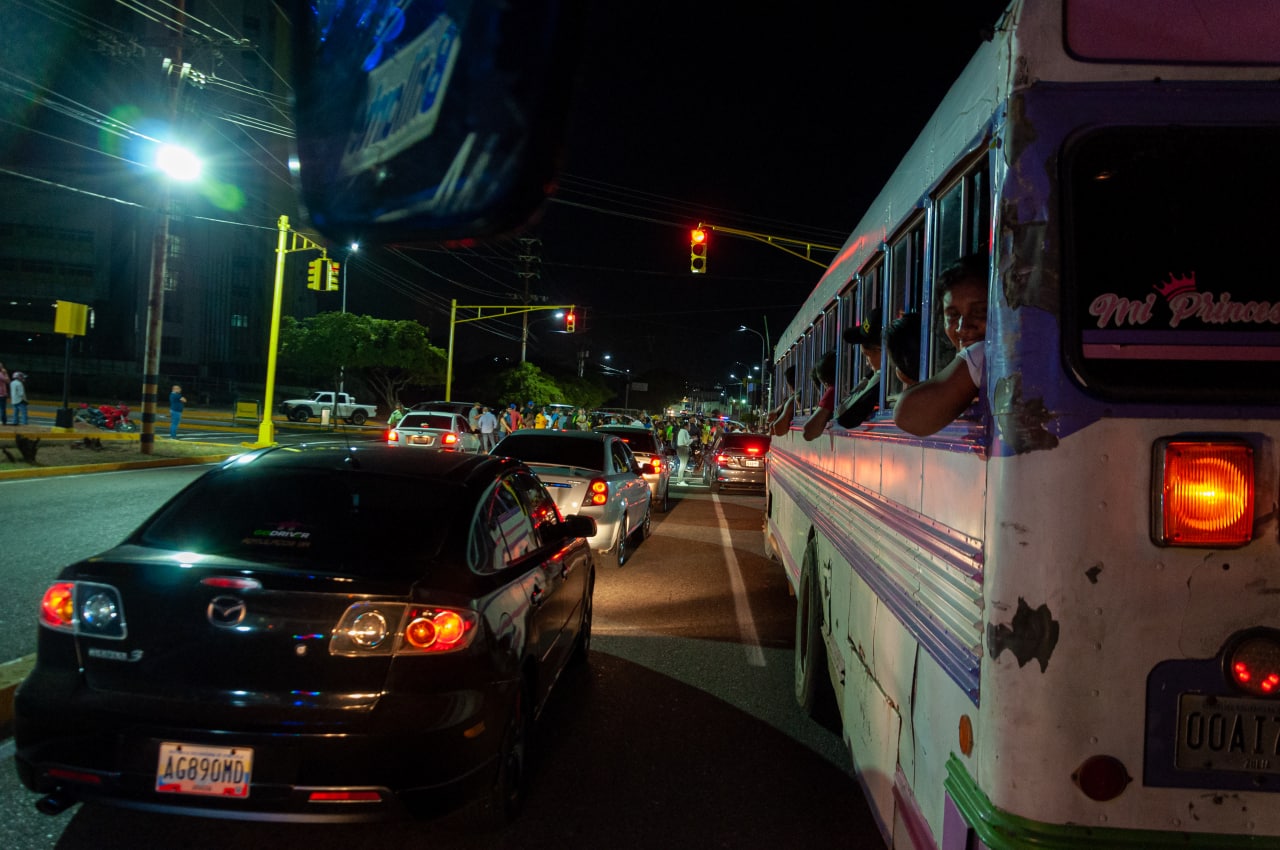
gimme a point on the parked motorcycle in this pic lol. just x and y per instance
(107, 417)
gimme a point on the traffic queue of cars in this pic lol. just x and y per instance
(299, 632)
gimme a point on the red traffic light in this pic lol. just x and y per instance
(698, 251)
(570, 322)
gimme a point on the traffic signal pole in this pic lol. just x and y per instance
(699, 239)
(502, 310)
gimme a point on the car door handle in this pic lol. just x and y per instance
(535, 598)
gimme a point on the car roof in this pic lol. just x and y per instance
(459, 467)
(552, 434)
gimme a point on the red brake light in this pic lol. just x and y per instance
(753, 450)
(597, 492)
(57, 608)
(436, 630)
(393, 436)
(656, 464)
(368, 628)
(450, 439)
(1205, 495)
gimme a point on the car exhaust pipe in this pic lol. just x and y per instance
(56, 803)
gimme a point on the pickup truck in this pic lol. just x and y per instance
(302, 409)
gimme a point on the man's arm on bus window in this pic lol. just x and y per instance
(817, 423)
(929, 406)
(780, 417)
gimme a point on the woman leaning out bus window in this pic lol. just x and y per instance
(927, 407)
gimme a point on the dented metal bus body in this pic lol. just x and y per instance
(1055, 622)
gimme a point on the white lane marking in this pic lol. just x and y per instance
(746, 625)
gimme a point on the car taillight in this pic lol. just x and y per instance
(722, 458)
(656, 464)
(83, 608)
(393, 436)
(1202, 493)
(597, 492)
(753, 450)
(394, 628)
(450, 439)
(57, 609)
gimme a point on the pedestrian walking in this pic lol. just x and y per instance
(18, 393)
(488, 430)
(683, 441)
(4, 395)
(177, 404)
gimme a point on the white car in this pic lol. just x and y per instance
(432, 429)
(591, 474)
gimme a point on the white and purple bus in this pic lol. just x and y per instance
(1056, 622)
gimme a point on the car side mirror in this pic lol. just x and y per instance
(577, 525)
(430, 122)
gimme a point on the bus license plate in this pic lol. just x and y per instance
(200, 769)
(1228, 733)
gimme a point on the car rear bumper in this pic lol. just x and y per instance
(395, 765)
(730, 477)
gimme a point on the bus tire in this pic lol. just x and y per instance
(813, 689)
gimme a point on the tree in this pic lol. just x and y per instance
(526, 381)
(384, 355)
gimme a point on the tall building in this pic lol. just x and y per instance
(87, 94)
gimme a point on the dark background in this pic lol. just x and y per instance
(775, 120)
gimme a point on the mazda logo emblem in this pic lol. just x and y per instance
(226, 611)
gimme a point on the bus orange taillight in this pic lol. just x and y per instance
(1204, 493)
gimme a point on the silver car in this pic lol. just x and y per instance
(433, 429)
(644, 444)
(592, 474)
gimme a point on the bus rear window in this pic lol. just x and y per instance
(1170, 265)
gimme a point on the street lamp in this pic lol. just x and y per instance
(176, 164)
(764, 358)
(626, 374)
(342, 370)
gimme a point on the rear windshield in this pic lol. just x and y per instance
(746, 443)
(340, 522)
(561, 451)
(439, 421)
(1169, 269)
(637, 441)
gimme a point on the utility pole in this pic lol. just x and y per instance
(530, 268)
(159, 262)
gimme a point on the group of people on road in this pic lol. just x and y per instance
(13, 387)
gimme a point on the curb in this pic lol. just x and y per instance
(11, 675)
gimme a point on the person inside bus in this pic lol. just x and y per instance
(902, 339)
(824, 375)
(865, 397)
(930, 405)
(779, 419)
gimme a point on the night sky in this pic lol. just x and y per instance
(742, 115)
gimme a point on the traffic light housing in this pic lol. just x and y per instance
(570, 322)
(332, 267)
(698, 250)
(316, 275)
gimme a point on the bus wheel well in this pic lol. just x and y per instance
(813, 689)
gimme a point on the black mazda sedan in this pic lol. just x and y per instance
(312, 634)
